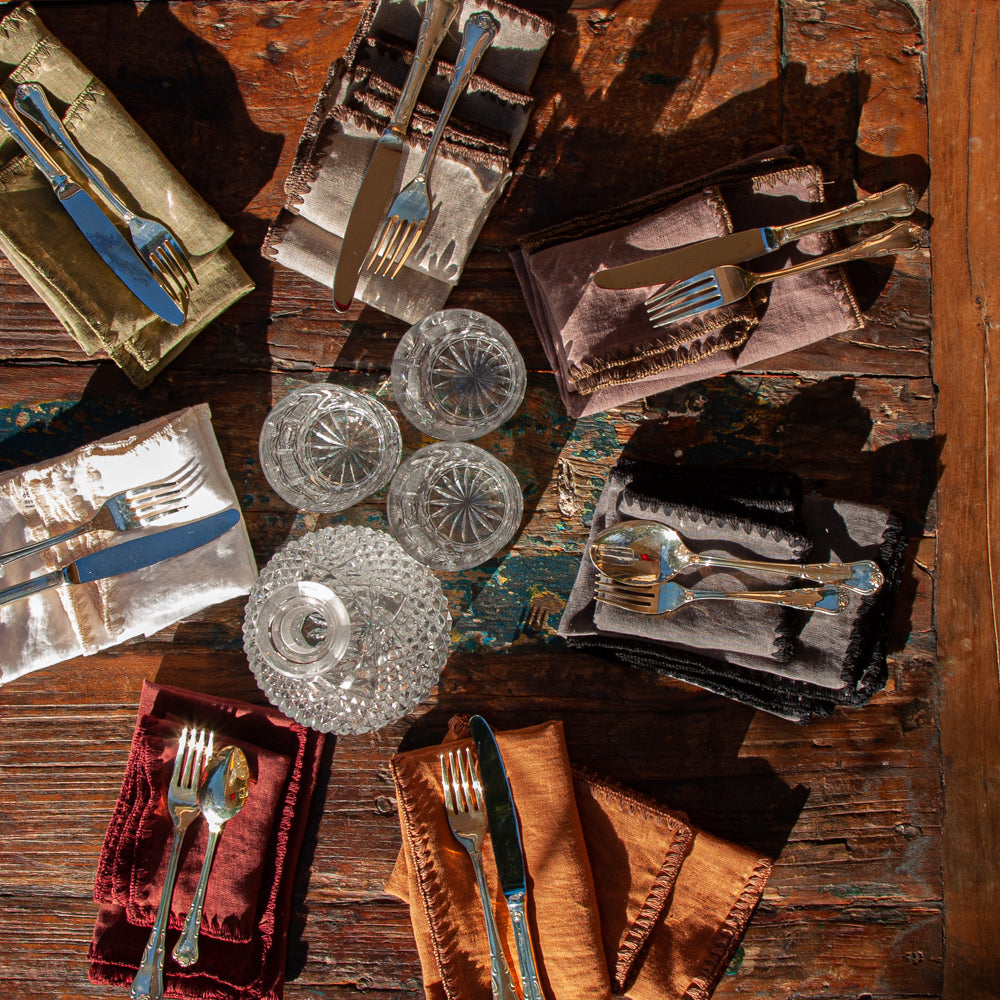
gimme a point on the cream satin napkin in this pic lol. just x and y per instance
(43, 500)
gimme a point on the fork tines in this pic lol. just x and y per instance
(685, 298)
(398, 239)
(462, 790)
(193, 749)
(620, 596)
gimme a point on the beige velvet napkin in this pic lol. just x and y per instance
(43, 500)
(43, 243)
(625, 896)
(471, 170)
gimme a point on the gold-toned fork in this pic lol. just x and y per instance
(465, 807)
(728, 283)
(193, 751)
(663, 598)
(156, 244)
(134, 508)
(408, 214)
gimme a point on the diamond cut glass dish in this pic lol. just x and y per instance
(345, 632)
(452, 505)
(457, 375)
(325, 447)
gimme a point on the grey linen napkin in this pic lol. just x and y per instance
(603, 349)
(471, 171)
(832, 660)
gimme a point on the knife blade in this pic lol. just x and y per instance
(129, 556)
(693, 258)
(506, 836)
(379, 180)
(98, 229)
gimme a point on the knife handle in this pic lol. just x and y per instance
(530, 986)
(896, 202)
(11, 123)
(33, 586)
(438, 15)
(31, 101)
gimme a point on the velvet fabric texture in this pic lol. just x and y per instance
(42, 242)
(625, 897)
(471, 170)
(600, 343)
(244, 930)
(827, 660)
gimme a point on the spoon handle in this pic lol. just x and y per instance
(863, 577)
(186, 950)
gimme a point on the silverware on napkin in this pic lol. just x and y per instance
(129, 556)
(88, 217)
(157, 245)
(506, 836)
(727, 284)
(193, 750)
(380, 175)
(685, 261)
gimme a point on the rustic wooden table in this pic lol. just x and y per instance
(872, 869)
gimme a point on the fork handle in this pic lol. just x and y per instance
(148, 981)
(530, 985)
(862, 577)
(477, 36)
(896, 202)
(186, 950)
(501, 980)
(31, 101)
(901, 238)
(41, 544)
(829, 600)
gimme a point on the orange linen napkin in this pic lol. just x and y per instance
(624, 896)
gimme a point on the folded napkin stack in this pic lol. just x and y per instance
(42, 242)
(244, 931)
(600, 343)
(473, 164)
(792, 663)
(624, 896)
(46, 499)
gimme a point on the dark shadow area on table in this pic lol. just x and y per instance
(635, 729)
(819, 435)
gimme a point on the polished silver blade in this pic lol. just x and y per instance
(152, 549)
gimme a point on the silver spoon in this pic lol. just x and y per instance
(223, 791)
(651, 552)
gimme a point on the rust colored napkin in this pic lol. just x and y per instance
(625, 897)
(603, 349)
(244, 930)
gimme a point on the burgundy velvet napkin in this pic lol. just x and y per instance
(243, 934)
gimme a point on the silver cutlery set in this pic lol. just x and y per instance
(477, 801)
(203, 783)
(153, 266)
(636, 561)
(702, 276)
(403, 225)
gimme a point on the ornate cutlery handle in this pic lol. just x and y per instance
(477, 37)
(501, 980)
(186, 949)
(896, 202)
(438, 15)
(863, 577)
(11, 123)
(902, 237)
(148, 981)
(829, 600)
(32, 102)
(530, 985)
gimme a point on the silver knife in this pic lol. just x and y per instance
(129, 556)
(380, 175)
(100, 232)
(687, 261)
(506, 836)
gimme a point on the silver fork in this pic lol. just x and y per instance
(464, 803)
(409, 212)
(156, 244)
(193, 750)
(135, 508)
(727, 284)
(662, 598)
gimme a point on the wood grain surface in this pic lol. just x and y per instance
(630, 97)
